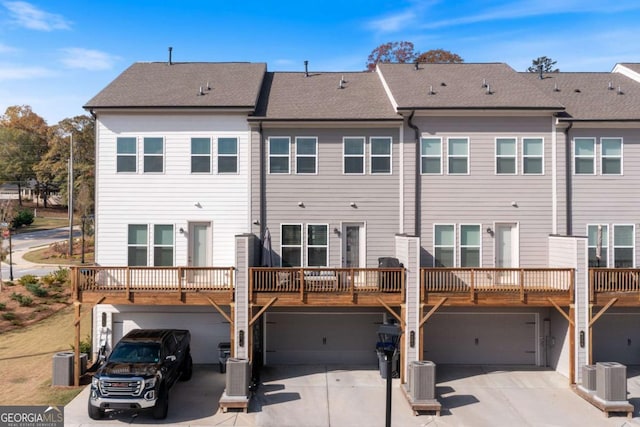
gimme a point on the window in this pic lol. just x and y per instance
(200, 155)
(353, 149)
(279, 155)
(458, 155)
(317, 245)
(611, 156)
(380, 155)
(306, 155)
(598, 239)
(506, 156)
(431, 155)
(584, 156)
(162, 245)
(153, 155)
(470, 237)
(444, 246)
(623, 246)
(532, 156)
(227, 155)
(137, 245)
(127, 159)
(291, 246)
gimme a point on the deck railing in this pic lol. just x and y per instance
(153, 279)
(491, 280)
(325, 279)
(614, 280)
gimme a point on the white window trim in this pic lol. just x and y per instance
(468, 156)
(363, 155)
(218, 155)
(149, 260)
(301, 246)
(514, 157)
(573, 166)
(210, 155)
(602, 156)
(305, 238)
(269, 155)
(431, 156)
(315, 156)
(455, 237)
(164, 155)
(460, 246)
(613, 244)
(390, 155)
(542, 157)
(136, 155)
(605, 243)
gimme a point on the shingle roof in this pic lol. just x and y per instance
(294, 96)
(592, 96)
(461, 86)
(158, 85)
(632, 66)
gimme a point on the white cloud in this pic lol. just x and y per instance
(12, 72)
(393, 23)
(7, 49)
(29, 16)
(87, 59)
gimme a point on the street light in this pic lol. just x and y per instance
(83, 219)
(388, 339)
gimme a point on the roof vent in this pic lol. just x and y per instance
(416, 66)
(577, 90)
(201, 92)
(610, 86)
(431, 92)
(208, 86)
(484, 83)
(555, 87)
(341, 84)
(489, 91)
(443, 84)
(306, 68)
(170, 61)
(540, 72)
(620, 92)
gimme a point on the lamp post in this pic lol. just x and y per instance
(10, 255)
(83, 219)
(388, 338)
(70, 195)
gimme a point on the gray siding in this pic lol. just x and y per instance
(482, 197)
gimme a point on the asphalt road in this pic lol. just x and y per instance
(25, 242)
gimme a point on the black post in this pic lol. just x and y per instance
(388, 354)
(84, 218)
(10, 257)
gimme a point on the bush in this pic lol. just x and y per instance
(28, 279)
(24, 217)
(2, 306)
(85, 345)
(9, 316)
(23, 300)
(36, 290)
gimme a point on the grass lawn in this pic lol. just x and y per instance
(26, 359)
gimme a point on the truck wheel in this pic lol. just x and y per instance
(162, 405)
(95, 413)
(187, 369)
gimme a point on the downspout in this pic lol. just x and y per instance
(569, 176)
(417, 200)
(262, 182)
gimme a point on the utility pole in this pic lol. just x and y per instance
(70, 195)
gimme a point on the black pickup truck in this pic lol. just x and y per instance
(140, 370)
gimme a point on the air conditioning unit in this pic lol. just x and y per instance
(422, 380)
(238, 377)
(63, 368)
(611, 381)
(589, 377)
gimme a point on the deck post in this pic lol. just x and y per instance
(572, 347)
(76, 348)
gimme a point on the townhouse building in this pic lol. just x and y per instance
(292, 213)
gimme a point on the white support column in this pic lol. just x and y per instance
(245, 256)
(408, 252)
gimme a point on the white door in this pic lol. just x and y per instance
(199, 246)
(353, 252)
(506, 252)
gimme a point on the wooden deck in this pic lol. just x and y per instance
(623, 284)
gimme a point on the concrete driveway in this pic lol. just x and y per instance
(350, 396)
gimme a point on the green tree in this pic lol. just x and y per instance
(543, 64)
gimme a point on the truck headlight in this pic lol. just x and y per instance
(94, 382)
(150, 383)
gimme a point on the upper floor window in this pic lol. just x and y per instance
(137, 241)
(317, 245)
(470, 238)
(598, 238)
(163, 245)
(431, 155)
(291, 245)
(506, 155)
(458, 155)
(200, 155)
(306, 155)
(227, 155)
(353, 150)
(279, 154)
(584, 156)
(611, 156)
(623, 246)
(444, 245)
(380, 155)
(532, 156)
(153, 154)
(126, 157)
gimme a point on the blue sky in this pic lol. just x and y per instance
(56, 55)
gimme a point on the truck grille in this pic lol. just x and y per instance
(121, 386)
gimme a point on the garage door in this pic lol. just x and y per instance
(336, 338)
(487, 338)
(616, 338)
(207, 329)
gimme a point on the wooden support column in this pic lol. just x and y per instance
(76, 358)
(393, 313)
(232, 330)
(403, 340)
(572, 347)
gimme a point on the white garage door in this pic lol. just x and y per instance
(487, 338)
(616, 338)
(336, 338)
(207, 329)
